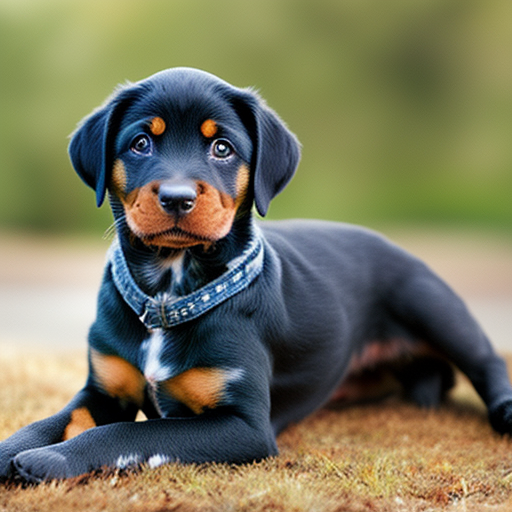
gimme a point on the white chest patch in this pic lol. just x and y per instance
(175, 265)
(153, 368)
(177, 271)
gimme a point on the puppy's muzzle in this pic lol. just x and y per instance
(177, 198)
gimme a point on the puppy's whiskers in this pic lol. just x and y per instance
(112, 229)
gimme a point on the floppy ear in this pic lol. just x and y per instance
(276, 151)
(91, 146)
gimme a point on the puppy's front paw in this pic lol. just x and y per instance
(5, 464)
(41, 464)
(500, 417)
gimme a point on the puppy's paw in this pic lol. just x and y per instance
(500, 417)
(41, 464)
(5, 464)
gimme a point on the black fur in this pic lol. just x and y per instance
(328, 296)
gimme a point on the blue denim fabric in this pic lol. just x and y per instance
(164, 311)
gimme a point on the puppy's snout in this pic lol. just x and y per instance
(177, 199)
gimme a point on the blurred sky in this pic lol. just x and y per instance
(404, 109)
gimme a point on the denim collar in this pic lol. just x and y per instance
(164, 311)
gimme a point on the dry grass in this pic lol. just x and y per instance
(383, 457)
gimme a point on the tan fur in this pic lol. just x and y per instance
(370, 377)
(81, 420)
(198, 388)
(380, 353)
(209, 128)
(210, 220)
(242, 184)
(118, 179)
(157, 126)
(118, 377)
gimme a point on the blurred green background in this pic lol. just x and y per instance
(404, 108)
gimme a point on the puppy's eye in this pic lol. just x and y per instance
(221, 148)
(141, 144)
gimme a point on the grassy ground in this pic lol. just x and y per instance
(381, 457)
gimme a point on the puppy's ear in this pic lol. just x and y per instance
(276, 150)
(91, 146)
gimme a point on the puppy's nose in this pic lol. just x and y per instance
(177, 199)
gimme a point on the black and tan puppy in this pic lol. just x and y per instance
(221, 330)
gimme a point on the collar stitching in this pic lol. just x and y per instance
(163, 311)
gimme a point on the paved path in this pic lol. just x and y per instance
(48, 287)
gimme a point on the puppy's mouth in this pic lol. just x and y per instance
(174, 237)
(159, 219)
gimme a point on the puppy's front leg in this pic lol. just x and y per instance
(234, 428)
(213, 438)
(87, 409)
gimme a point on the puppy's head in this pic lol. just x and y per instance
(184, 152)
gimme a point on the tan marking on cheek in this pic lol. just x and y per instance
(118, 180)
(213, 214)
(144, 213)
(81, 420)
(198, 388)
(242, 184)
(209, 128)
(129, 199)
(157, 126)
(118, 377)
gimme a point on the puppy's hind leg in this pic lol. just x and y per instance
(426, 381)
(434, 313)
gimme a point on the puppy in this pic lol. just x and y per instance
(223, 330)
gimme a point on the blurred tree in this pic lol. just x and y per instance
(403, 108)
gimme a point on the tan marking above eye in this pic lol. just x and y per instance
(198, 388)
(209, 128)
(118, 377)
(157, 126)
(81, 420)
